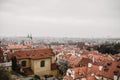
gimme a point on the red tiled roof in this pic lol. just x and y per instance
(109, 73)
(94, 70)
(68, 77)
(74, 60)
(111, 70)
(79, 70)
(91, 78)
(85, 61)
(65, 56)
(32, 53)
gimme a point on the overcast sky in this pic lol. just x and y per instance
(60, 18)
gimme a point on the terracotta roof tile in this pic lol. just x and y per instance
(16, 47)
(32, 53)
(68, 78)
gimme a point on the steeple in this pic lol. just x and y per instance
(29, 36)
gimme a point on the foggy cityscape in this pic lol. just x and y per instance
(59, 39)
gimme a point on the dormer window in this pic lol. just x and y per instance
(106, 68)
(118, 59)
(116, 72)
(118, 66)
(69, 74)
(80, 73)
(92, 74)
(109, 64)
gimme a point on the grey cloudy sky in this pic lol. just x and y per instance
(60, 18)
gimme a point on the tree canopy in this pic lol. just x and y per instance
(109, 48)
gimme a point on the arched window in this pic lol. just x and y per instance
(42, 63)
(23, 63)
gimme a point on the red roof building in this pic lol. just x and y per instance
(36, 61)
(95, 66)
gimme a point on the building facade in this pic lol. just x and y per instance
(36, 61)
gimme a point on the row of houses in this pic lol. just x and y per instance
(81, 64)
(90, 65)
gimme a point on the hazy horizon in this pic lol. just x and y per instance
(60, 18)
(60, 37)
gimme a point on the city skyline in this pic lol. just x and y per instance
(59, 18)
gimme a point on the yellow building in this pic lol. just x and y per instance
(37, 61)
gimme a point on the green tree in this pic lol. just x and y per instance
(14, 63)
(63, 67)
(36, 77)
(15, 66)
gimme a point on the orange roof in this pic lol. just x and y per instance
(68, 78)
(109, 66)
(109, 73)
(80, 72)
(74, 60)
(85, 61)
(91, 78)
(92, 72)
(32, 53)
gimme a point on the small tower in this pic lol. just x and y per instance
(29, 36)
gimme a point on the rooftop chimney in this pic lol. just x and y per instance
(93, 59)
(115, 75)
(100, 68)
(89, 65)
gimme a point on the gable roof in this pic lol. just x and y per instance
(32, 54)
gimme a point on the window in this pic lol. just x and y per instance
(42, 63)
(118, 66)
(81, 73)
(109, 64)
(23, 63)
(69, 74)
